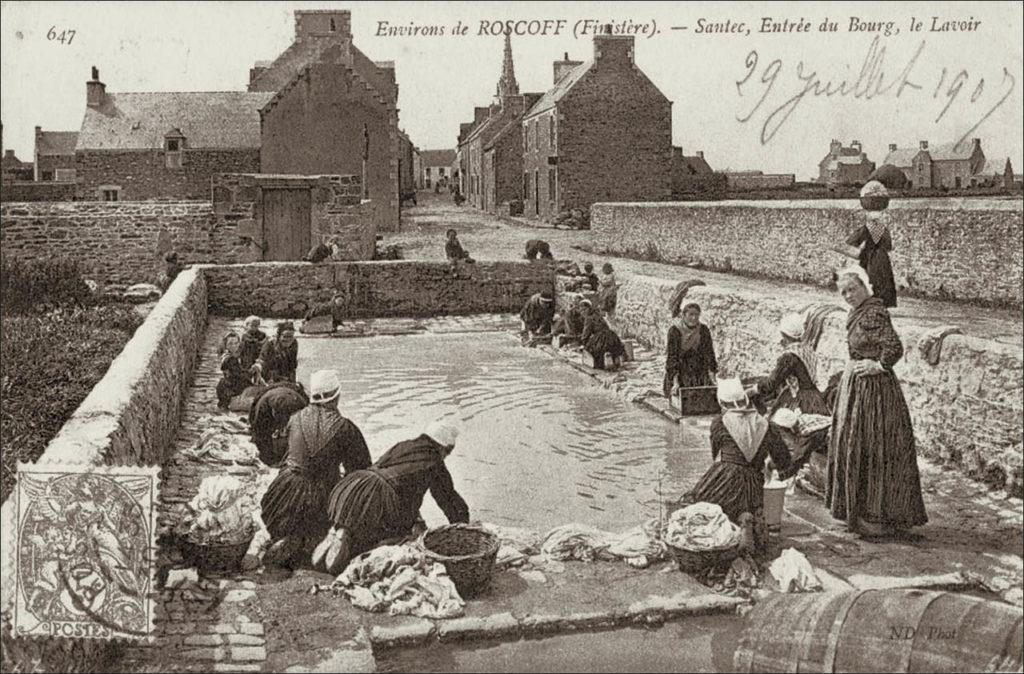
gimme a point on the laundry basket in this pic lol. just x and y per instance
(467, 553)
(215, 557)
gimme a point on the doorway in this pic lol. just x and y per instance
(286, 223)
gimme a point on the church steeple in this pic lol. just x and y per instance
(507, 85)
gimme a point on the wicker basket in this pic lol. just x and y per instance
(214, 557)
(695, 561)
(467, 552)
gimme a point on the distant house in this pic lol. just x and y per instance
(332, 111)
(55, 155)
(164, 145)
(693, 177)
(14, 168)
(845, 165)
(602, 133)
(436, 166)
(949, 166)
(995, 174)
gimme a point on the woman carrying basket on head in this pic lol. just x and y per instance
(370, 506)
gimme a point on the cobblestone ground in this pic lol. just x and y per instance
(488, 237)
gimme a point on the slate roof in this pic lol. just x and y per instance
(557, 92)
(56, 143)
(504, 131)
(437, 157)
(945, 152)
(139, 121)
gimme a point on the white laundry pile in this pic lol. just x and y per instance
(637, 546)
(701, 526)
(399, 580)
(517, 545)
(216, 445)
(221, 512)
(794, 573)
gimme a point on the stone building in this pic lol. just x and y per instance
(492, 163)
(55, 155)
(693, 178)
(406, 166)
(13, 168)
(948, 166)
(164, 145)
(602, 133)
(436, 166)
(845, 165)
(332, 110)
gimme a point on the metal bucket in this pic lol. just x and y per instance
(774, 500)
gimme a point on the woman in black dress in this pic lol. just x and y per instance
(252, 342)
(741, 441)
(382, 502)
(599, 339)
(690, 359)
(873, 480)
(875, 242)
(279, 357)
(234, 378)
(294, 509)
(268, 418)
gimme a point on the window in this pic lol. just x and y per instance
(551, 130)
(110, 192)
(957, 182)
(333, 27)
(47, 175)
(440, 172)
(526, 185)
(173, 150)
(551, 184)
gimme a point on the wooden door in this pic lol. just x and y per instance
(286, 223)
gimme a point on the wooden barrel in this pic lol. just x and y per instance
(881, 631)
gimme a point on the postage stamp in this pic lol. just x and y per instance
(84, 551)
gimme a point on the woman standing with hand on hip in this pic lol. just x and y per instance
(873, 481)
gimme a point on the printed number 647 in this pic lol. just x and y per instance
(64, 37)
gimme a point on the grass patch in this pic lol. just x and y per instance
(48, 364)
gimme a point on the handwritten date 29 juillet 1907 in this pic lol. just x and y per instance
(874, 79)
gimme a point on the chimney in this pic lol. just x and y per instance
(856, 145)
(613, 49)
(8, 154)
(95, 91)
(834, 148)
(388, 70)
(564, 66)
(975, 143)
(480, 114)
(322, 23)
(255, 72)
(892, 147)
(924, 145)
(700, 154)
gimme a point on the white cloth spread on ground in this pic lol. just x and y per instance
(517, 545)
(399, 580)
(701, 526)
(219, 447)
(794, 573)
(638, 546)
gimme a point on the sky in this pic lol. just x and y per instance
(751, 100)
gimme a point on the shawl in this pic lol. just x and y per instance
(689, 337)
(318, 426)
(747, 429)
(806, 353)
(877, 225)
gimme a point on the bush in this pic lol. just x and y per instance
(27, 285)
(48, 364)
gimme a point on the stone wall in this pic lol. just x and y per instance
(116, 243)
(375, 289)
(131, 417)
(962, 249)
(967, 409)
(143, 174)
(27, 190)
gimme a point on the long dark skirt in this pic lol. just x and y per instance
(366, 504)
(296, 505)
(736, 489)
(605, 341)
(872, 460)
(228, 388)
